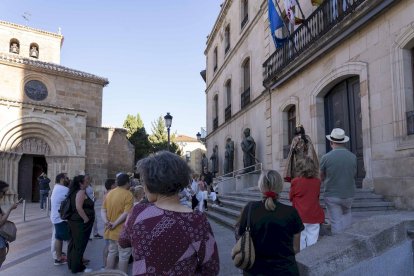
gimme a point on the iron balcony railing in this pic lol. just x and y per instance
(323, 19)
(245, 19)
(245, 98)
(215, 123)
(227, 113)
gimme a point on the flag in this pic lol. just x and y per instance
(298, 20)
(316, 2)
(275, 23)
(290, 10)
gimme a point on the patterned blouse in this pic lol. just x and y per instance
(169, 243)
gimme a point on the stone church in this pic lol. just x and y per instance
(350, 64)
(51, 115)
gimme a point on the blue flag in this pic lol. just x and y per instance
(275, 23)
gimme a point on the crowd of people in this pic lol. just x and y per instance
(157, 222)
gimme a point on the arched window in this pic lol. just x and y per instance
(215, 112)
(227, 39)
(244, 12)
(215, 59)
(34, 50)
(245, 96)
(14, 46)
(290, 127)
(227, 111)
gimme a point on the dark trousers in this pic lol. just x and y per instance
(194, 202)
(80, 236)
(43, 197)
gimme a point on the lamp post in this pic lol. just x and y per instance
(198, 136)
(168, 122)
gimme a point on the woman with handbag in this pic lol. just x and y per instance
(80, 223)
(4, 246)
(274, 229)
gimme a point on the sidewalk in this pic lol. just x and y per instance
(30, 253)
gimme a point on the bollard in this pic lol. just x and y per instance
(24, 210)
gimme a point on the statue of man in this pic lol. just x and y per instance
(229, 156)
(248, 146)
(214, 161)
(204, 162)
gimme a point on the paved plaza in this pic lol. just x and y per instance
(30, 253)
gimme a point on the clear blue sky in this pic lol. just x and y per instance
(152, 52)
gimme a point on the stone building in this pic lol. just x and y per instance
(50, 116)
(191, 151)
(349, 65)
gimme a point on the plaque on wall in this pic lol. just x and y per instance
(35, 90)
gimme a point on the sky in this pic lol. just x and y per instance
(151, 51)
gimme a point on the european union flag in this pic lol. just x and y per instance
(275, 23)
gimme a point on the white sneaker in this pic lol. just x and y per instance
(87, 270)
(214, 205)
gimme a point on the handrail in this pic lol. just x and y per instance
(240, 172)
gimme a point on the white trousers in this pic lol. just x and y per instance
(309, 235)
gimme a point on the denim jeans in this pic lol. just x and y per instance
(339, 212)
(43, 197)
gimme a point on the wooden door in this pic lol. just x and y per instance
(343, 110)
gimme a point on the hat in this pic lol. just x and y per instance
(338, 136)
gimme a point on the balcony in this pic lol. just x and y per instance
(215, 123)
(245, 98)
(245, 19)
(320, 32)
(227, 113)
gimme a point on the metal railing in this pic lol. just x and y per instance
(227, 113)
(258, 167)
(323, 19)
(245, 98)
(215, 123)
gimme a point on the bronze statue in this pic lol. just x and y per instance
(214, 160)
(229, 156)
(248, 146)
(204, 162)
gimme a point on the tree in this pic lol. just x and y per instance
(159, 137)
(137, 136)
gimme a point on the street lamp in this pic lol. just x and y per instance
(198, 136)
(168, 122)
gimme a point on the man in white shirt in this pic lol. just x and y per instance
(61, 228)
(91, 194)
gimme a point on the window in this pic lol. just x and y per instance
(244, 12)
(215, 112)
(410, 105)
(34, 50)
(245, 96)
(227, 39)
(14, 46)
(215, 59)
(227, 111)
(291, 124)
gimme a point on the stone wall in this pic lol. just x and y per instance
(107, 152)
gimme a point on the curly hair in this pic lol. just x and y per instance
(164, 173)
(306, 167)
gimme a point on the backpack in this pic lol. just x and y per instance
(65, 209)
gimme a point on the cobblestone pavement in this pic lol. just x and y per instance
(30, 253)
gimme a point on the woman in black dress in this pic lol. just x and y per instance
(80, 223)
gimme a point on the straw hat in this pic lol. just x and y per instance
(338, 136)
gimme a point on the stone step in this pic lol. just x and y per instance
(222, 219)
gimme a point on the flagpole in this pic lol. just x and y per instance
(303, 16)
(287, 28)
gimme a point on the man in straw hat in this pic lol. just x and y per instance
(338, 170)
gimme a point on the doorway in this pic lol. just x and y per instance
(30, 167)
(343, 110)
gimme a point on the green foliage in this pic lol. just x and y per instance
(159, 137)
(138, 136)
(146, 144)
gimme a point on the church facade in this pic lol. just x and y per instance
(348, 65)
(51, 115)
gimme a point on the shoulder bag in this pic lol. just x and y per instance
(243, 253)
(8, 231)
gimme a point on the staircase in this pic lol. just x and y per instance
(366, 203)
